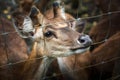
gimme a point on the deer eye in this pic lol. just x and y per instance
(48, 34)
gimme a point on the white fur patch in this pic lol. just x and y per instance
(27, 24)
(17, 30)
(61, 64)
(79, 51)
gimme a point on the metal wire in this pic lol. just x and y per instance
(10, 69)
(107, 35)
(48, 77)
(4, 37)
(97, 64)
(114, 77)
(21, 61)
(6, 33)
(97, 16)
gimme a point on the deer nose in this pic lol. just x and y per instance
(85, 40)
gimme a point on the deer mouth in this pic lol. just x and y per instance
(79, 48)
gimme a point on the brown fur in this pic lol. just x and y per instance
(106, 55)
(28, 69)
(16, 49)
(110, 49)
(15, 52)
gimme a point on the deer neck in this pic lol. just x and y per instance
(44, 64)
(66, 68)
(37, 63)
(42, 70)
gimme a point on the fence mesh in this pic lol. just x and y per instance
(89, 18)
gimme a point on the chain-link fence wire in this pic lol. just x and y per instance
(109, 13)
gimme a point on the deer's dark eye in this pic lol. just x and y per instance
(48, 34)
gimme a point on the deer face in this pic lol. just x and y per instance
(55, 37)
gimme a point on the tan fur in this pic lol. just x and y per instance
(106, 55)
(58, 45)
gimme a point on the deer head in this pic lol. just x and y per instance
(55, 37)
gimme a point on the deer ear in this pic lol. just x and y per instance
(58, 9)
(25, 6)
(21, 19)
(24, 24)
(24, 27)
(78, 25)
(33, 15)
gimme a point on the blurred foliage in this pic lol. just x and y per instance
(78, 8)
(5, 7)
(83, 9)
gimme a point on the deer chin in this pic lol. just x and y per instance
(69, 52)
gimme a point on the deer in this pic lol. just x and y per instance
(10, 50)
(46, 39)
(105, 54)
(107, 30)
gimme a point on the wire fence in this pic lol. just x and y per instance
(85, 18)
(97, 64)
(89, 66)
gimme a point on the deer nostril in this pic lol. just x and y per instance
(82, 40)
(85, 40)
